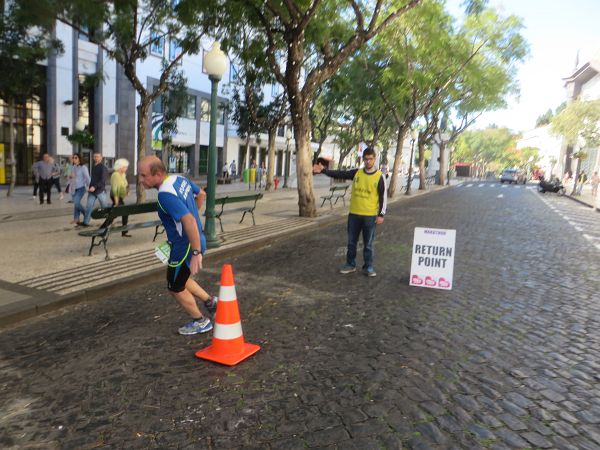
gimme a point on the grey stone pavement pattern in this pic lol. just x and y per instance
(509, 358)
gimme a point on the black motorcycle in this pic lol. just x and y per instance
(551, 186)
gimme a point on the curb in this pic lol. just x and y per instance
(30, 308)
(583, 202)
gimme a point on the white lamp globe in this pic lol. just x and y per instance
(215, 61)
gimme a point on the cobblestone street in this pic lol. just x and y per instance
(510, 358)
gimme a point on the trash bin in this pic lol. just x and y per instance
(245, 175)
(252, 175)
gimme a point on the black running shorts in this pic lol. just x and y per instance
(177, 277)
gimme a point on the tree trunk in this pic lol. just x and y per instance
(247, 161)
(397, 162)
(422, 185)
(271, 160)
(301, 123)
(576, 175)
(142, 124)
(11, 134)
(443, 171)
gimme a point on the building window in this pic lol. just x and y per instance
(29, 131)
(204, 110)
(190, 109)
(233, 73)
(157, 105)
(174, 49)
(274, 90)
(203, 55)
(86, 103)
(83, 33)
(281, 131)
(157, 44)
(221, 113)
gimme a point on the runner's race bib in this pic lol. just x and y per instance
(163, 252)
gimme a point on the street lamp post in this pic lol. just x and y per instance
(286, 161)
(215, 64)
(413, 137)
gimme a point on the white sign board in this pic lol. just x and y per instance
(433, 258)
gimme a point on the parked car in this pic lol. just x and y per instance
(513, 176)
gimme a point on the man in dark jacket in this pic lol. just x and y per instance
(42, 171)
(97, 189)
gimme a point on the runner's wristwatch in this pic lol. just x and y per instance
(196, 252)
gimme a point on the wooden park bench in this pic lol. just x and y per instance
(222, 201)
(115, 212)
(335, 192)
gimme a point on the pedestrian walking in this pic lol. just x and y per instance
(385, 171)
(43, 174)
(261, 175)
(66, 174)
(232, 169)
(225, 170)
(368, 204)
(581, 181)
(34, 180)
(56, 172)
(180, 201)
(252, 175)
(97, 189)
(79, 179)
(566, 178)
(119, 188)
(595, 182)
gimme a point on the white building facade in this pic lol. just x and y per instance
(583, 84)
(549, 147)
(108, 111)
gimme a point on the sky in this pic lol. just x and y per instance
(555, 31)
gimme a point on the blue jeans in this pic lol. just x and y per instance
(78, 209)
(356, 224)
(91, 200)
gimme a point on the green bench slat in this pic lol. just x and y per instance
(114, 213)
(336, 192)
(125, 210)
(222, 201)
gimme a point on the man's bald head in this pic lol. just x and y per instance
(154, 164)
(151, 172)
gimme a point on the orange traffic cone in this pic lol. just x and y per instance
(228, 346)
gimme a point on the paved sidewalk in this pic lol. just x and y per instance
(46, 263)
(586, 197)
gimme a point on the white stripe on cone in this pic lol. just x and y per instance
(226, 332)
(227, 294)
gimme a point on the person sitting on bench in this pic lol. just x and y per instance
(119, 188)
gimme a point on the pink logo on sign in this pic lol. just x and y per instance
(429, 281)
(443, 283)
(416, 280)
